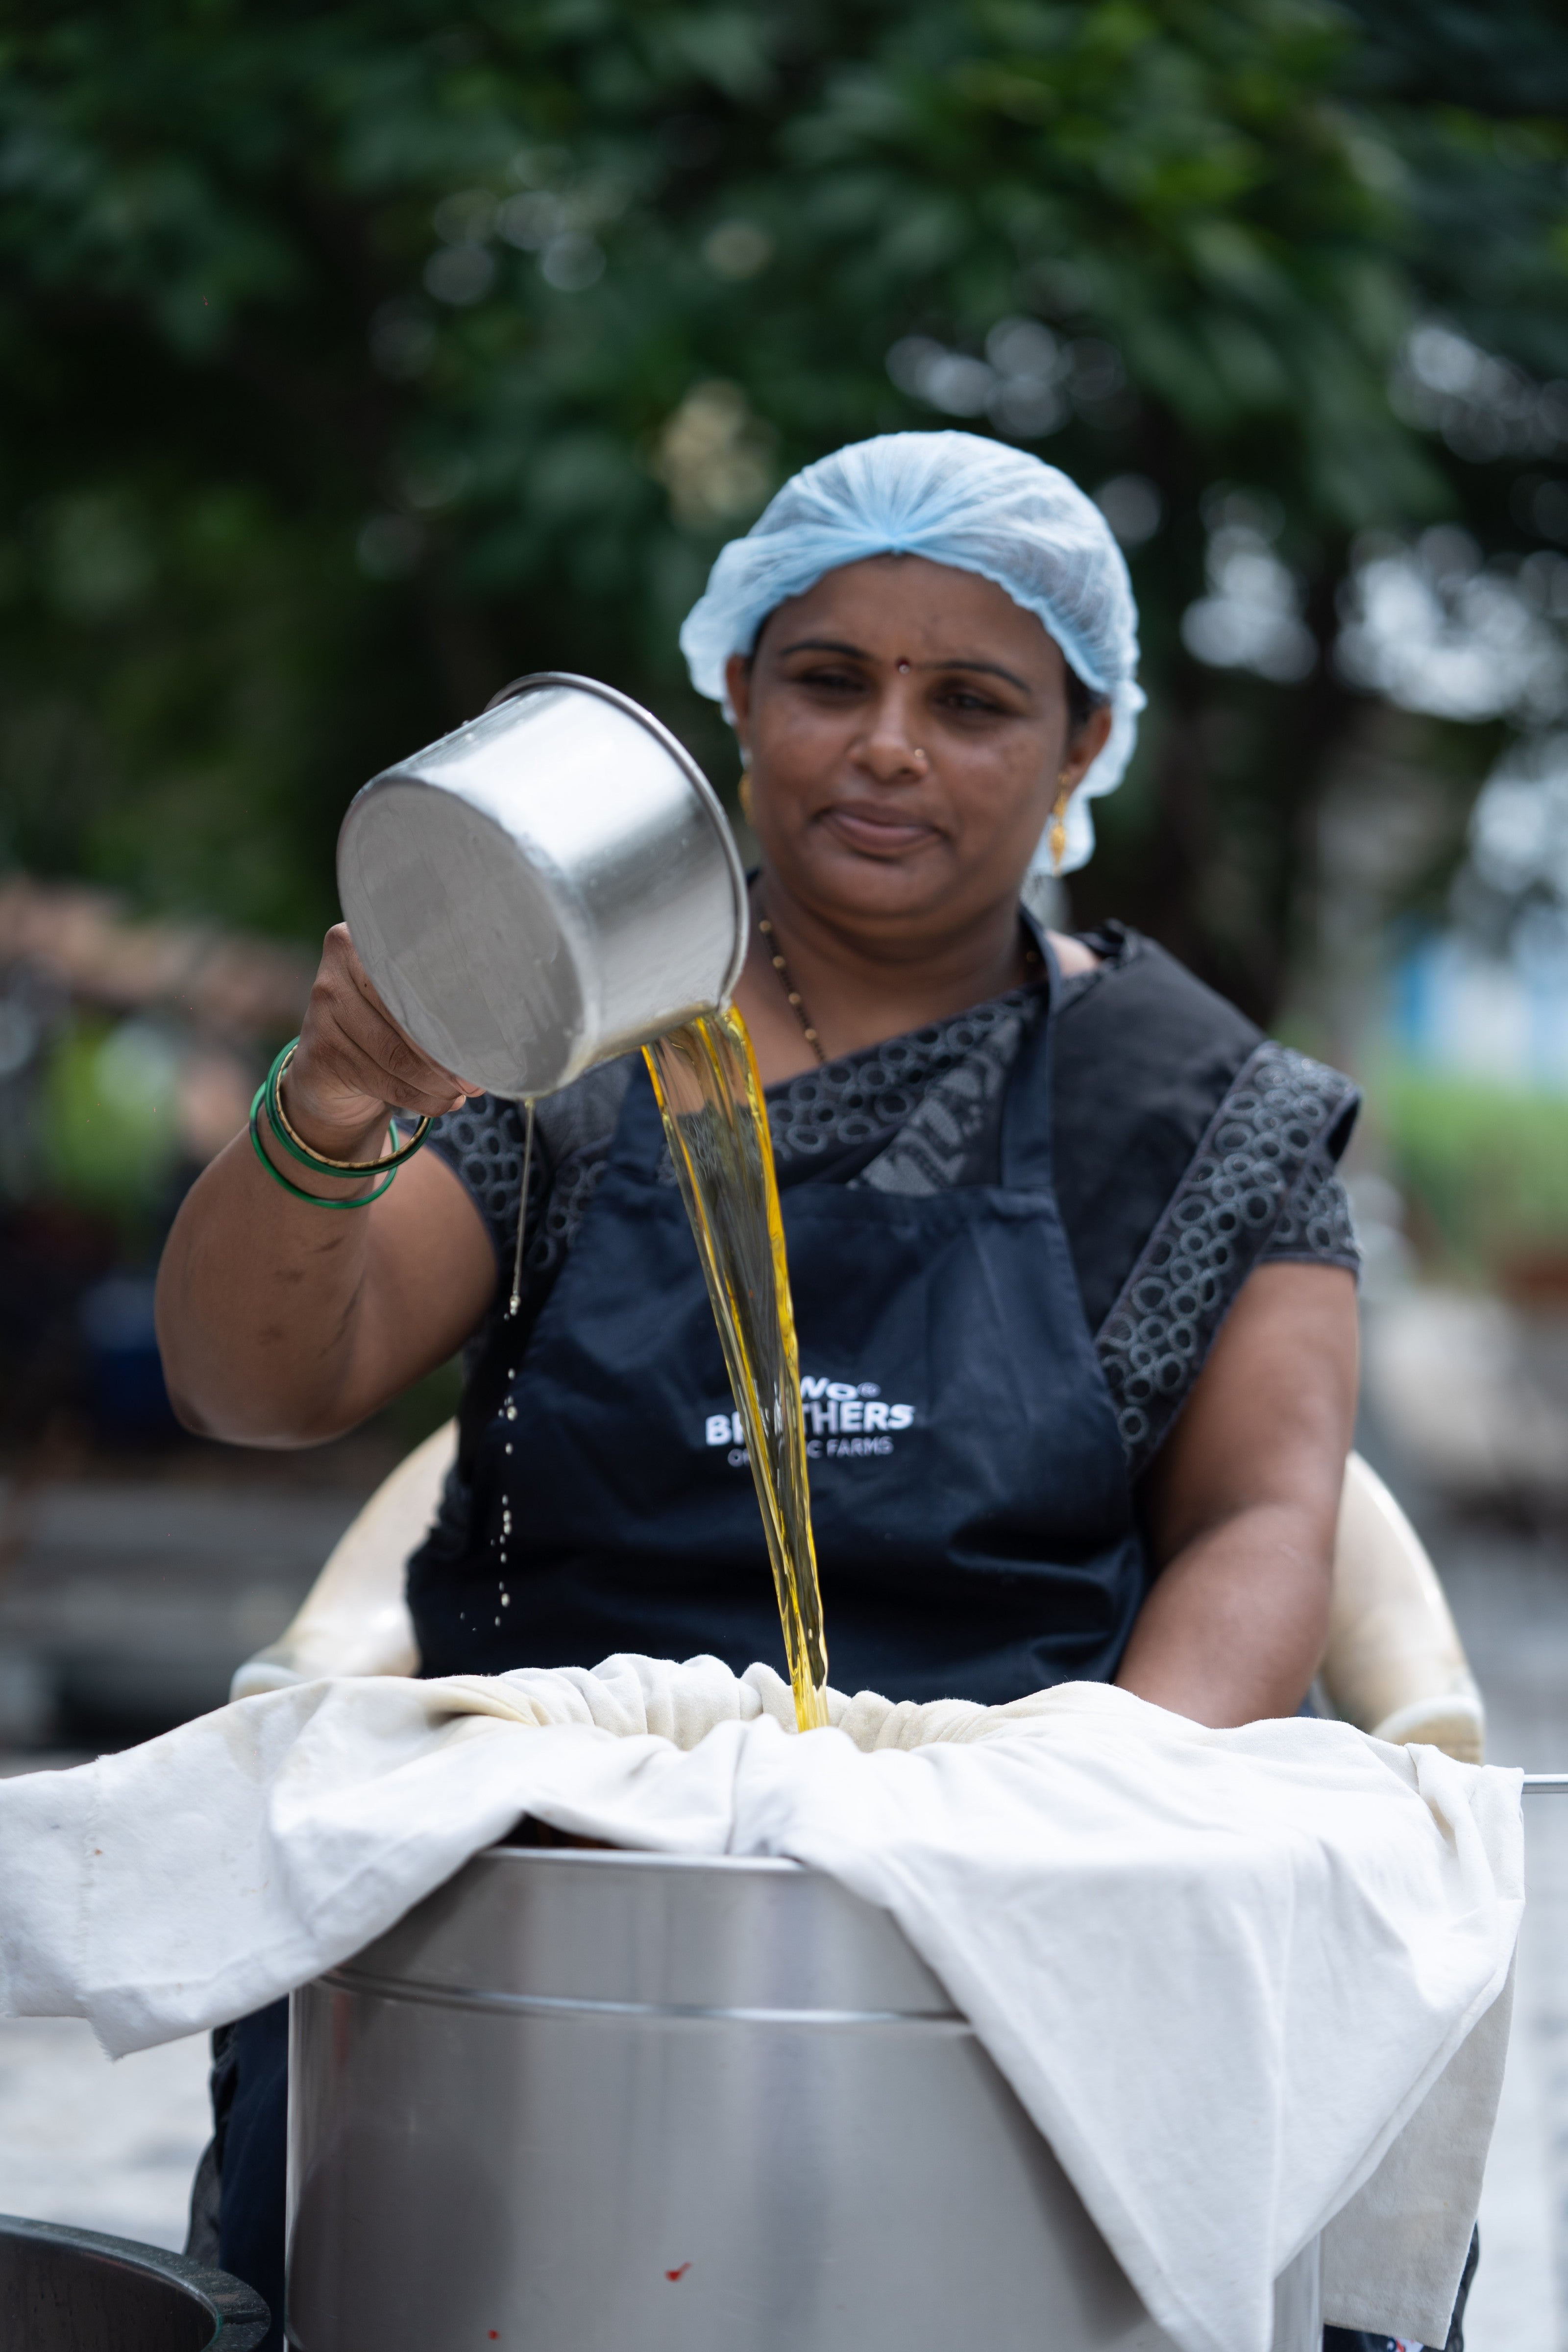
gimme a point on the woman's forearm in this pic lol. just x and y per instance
(256, 1296)
(282, 1324)
(282, 1321)
(1236, 1624)
(1243, 1505)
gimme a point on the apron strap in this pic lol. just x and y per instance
(1026, 1108)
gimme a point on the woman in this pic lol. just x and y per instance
(1048, 1197)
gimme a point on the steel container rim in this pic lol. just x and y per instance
(629, 1878)
(714, 807)
(533, 682)
(646, 1858)
(581, 924)
(240, 2316)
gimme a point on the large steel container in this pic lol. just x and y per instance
(550, 884)
(583, 2099)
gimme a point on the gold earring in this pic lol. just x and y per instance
(1057, 832)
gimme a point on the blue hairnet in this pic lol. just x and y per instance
(953, 497)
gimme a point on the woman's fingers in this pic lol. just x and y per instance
(393, 1050)
(366, 1054)
(354, 1061)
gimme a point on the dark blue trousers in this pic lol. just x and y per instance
(249, 2157)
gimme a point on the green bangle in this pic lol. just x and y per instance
(298, 1192)
(317, 1161)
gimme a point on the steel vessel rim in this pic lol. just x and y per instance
(712, 806)
(404, 772)
(575, 929)
(240, 2313)
(763, 1865)
(349, 1978)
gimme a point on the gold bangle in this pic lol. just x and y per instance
(297, 1147)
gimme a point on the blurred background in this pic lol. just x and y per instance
(358, 358)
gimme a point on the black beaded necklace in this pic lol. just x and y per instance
(798, 1002)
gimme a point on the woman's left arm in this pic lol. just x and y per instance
(1242, 1502)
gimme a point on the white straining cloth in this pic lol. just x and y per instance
(1247, 1983)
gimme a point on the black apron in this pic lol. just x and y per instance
(975, 1523)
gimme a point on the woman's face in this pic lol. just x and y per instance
(851, 683)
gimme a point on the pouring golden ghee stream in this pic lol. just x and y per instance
(710, 1098)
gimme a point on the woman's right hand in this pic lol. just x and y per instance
(354, 1065)
(283, 1325)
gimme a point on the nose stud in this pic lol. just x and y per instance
(920, 756)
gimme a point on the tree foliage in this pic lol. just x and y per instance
(360, 357)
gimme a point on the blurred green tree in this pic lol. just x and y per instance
(359, 357)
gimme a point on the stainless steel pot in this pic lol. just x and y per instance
(550, 885)
(62, 2290)
(577, 2100)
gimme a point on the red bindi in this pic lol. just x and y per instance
(904, 667)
